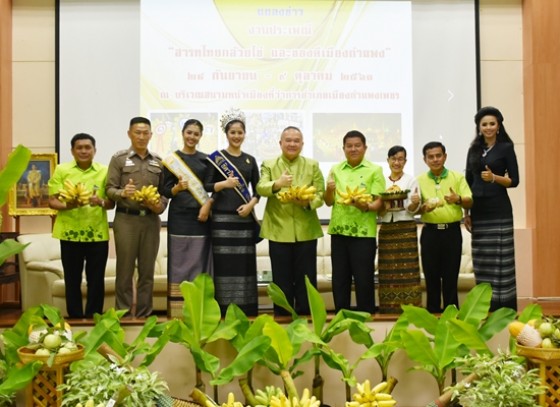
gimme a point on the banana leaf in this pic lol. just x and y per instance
(14, 169)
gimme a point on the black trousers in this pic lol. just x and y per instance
(291, 262)
(441, 261)
(73, 256)
(353, 258)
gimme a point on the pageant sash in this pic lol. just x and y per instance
(226, 168)
(181, 170)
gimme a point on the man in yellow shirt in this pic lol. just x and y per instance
(444, 195)
(82, 227)
(292, 228)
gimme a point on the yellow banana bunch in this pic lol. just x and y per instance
(230, 402)
(77, 193)
(297, 193)
(263, 397)
(356, 195)
(371, 397)
(148, 193)
(305, 401)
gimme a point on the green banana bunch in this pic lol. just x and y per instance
(305, 401)
(371, 397)
(148, 193)
(74, 193)
(230, 402)
(263, 397)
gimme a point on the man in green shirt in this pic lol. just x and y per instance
(444, 195)
(353, 224)
(82, 227)
(292, 228)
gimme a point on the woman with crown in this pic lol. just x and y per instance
(232, 179)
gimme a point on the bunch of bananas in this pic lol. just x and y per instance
(230, 402)
(148, 193)
(305, 401)
(356, 195)
(74, 193)
(371, 397)
(263, 397)
(297, 193)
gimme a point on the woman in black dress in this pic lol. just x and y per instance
(233, 178)
(188, 227)
(491, 168)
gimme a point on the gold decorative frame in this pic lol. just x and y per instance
(30, 196)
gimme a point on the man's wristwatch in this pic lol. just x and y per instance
(459, 201)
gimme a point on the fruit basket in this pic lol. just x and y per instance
(395, 198)
(542, 354)
(27, 355)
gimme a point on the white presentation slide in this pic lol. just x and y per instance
(401, 72)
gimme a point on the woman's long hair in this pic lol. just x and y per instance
(478, 144)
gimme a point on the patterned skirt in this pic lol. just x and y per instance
(189, 248)
(399, 271)
(494, 259)
(235, 261)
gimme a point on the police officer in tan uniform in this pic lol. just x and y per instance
(137, 224)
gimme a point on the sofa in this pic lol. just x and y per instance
(42, 277)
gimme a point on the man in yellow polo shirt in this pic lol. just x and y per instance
(353, 225)
(444, 195)
(82, 227)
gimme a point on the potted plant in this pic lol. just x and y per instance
(501, 380)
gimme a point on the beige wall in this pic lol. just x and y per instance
(501, 78)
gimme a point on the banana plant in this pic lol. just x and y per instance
(383, 351)
(201, 324)
(345, 320)
(9, 176)
(251, 346)
(440, 341)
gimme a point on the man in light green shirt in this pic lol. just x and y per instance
(444, 195)
(292, 228)
(81, 226)
(353, 224)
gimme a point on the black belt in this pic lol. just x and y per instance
(442, 226)
(136, 212)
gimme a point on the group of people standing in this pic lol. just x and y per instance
(212, 226)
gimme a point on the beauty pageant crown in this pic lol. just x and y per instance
(231, 115)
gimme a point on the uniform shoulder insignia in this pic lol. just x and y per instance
(120, 152)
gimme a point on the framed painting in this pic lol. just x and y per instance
(30, 196)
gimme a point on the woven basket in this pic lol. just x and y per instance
(539, 353)
(547, 360)
(27, 355)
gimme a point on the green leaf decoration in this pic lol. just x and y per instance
(317, 307)
(247, 357)
(476, 305)
(201, 312)
(14, 169)
(468, 335)
(9, 248)
(280, 343)
(279, 298)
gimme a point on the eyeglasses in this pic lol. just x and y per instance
(397, 160)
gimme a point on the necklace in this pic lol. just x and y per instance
(395, 180)
(485, 151)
